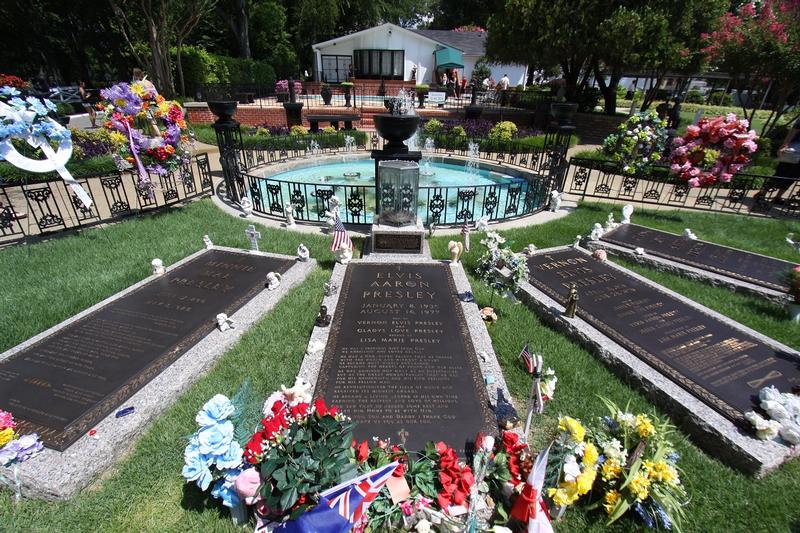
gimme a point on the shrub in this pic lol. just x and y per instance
(588, 99)
(88, 144)
(694, 97)
(503, 131)
(14, 81)
(298, 130)
(481, 70)
(328, 129)
(433, 127)
(459, 131)
(200, 66)
(721, 98)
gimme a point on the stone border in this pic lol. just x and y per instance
(54, 475)
(691, 272)
(717, 435)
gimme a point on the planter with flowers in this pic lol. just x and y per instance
(282, 89)
(347, 88)
(792, 279)
(488, 270)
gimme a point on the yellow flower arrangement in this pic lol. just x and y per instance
(118, 138)
(662, 472)
(566, 494)
(575, 428)
(611, 499)
(585, 481)
(611, 469)
(644, 426)
(640, 486)
(590, 455)
(6, 436)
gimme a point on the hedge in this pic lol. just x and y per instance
(200, 66)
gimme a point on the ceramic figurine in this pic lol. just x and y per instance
(273, 281)
(597, 232)
(488, 314)
(600, 255)
(529, 250)
(555, 200)
(343, 254)
(627, 211)
(572, 302)
(302, 252)
(288, 210)
(158, 267)
(482, 224)
(610, 224)
(247, 206)
(431, 229)
(323, 318)
(577, 242)
(224, 323)
(333, 212)
(207, 242)
(456, 249)
(689, 234)
(330, 288)
(300, 392)
(507, 417)
(639, 251)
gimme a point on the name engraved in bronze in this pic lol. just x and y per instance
(63, 385)
(718, 363)
(400, 360)
(737, 264)
(392, 242)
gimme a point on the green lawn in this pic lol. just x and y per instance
(145, 492)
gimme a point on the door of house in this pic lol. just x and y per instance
(336, 69)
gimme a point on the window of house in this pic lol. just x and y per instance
(375, 64)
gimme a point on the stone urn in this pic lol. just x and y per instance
(563, 112)
(395, 129)
(223, 109)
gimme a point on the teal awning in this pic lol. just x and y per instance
(448, 58)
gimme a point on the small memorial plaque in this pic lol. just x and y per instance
(739, 264)
(400, 359)
(64, 384)
(720, 364)
(398, 242)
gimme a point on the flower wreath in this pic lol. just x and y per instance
(713, 150)
(136, 115)
(638, 142)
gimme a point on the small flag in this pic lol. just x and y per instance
(340, 236)
(527, 360)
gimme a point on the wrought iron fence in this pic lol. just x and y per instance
(50, 206)
(746, 194)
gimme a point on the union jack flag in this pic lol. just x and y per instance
(340, 236)
(526, 358)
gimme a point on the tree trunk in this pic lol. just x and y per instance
(244, 30)
(570, 81)
(180, 67)
(608, 90)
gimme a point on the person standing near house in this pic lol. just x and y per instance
(788, 170)
(503, 86)
(456, 83)
(87, 105)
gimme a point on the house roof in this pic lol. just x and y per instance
(471, 43)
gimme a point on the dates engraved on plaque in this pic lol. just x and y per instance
(65, 383)
(392, 242)
(400, 360)
(718, 363)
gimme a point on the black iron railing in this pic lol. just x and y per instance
(746, 194)
(50, 206)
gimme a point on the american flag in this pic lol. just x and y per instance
(526, 358)
(340, 236)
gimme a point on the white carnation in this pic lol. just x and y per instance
(770, 394)
(765, 429)
(571, 469)
(790, 432)
(775, 410)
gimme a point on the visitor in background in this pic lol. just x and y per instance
(788, 170)
(456, 83)
(485, 83)
(503, 86)
(85, 96)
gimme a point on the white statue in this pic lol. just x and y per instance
(600, 255)
(597, 232)
(529, 250)
(247, 206)
(627, 211)
(482, 224)
(689, 234)
(273, 281)
(333, 212)
(610, 223)
(577, 242)
(300, 392)
(224, 323)
(639, 251)
(207, 242)
(158, 267)
(793, 243)
(456, 249)
(288, 210)
(343, 254)
(302, 252)
(555, 200)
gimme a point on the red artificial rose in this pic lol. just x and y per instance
(441, 447)
(443, 500)
(400, 471)
(467, 479)
(300, 410)
(319, 407)
(333, 410)
(362, 452)
(277, 407)
(459, 497)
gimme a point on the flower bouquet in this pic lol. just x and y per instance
(638, 142)
(148, 131)
(783, 416)
(713, 150)
(495, 258)
(15, 449)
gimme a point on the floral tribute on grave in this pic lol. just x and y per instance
(496, 257)
(15, 449)
(638, 142)
(148, 131)
(292, 465)
(713, 150)
(781, 416)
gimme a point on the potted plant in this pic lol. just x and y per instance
(282, 89)
(792, 279)
(347, 87)
(563, 112)
(421, 91)
(326, 94)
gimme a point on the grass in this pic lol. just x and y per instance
(96, 166)
(145, 492)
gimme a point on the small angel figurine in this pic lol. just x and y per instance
(529, 250)
(344, 254)
(247, 206)
(288, 210)
(302, 252)
(273, 281)
(627, 211)
(555, 200)
(689, 234)
(456, 249)
(597, 232)
(224, 323)
(158, 267)
(207, 242)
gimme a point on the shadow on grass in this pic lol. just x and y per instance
(195, 500)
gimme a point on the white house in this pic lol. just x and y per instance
(391, 52)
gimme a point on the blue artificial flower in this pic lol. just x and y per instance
(611, 423)
(673, 457)
(36, 105)
(196, 470)
(231, 474)
(643, 514)
(661, 515)
(231, 458)
(225, 492)
(215, 410)
(216, 440)
(17, 102)
(8, 91)
(50, 105)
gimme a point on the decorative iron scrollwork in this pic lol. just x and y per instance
(299, 201)
(706, 200)
(580, 178)
(602, 188)
(50, 219)
(679, 191)
(490, 202)
(387, 196)
(355, 204)
(629, 185)
(84, 212)
(119, 207)
(436, 207)
(736, 195)
(38, 195)
(512, 200)
(652, 194)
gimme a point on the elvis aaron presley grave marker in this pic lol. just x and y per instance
(64, 384)
(721, 365)
(400, 360)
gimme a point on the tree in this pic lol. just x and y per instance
(760, 42)
(271, 40)
(449, 14)
(166, 23)
(235, 13)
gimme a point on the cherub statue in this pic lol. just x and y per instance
(273, 281)
(158, 267)
(529, 250)
(302, 252)
(247, 206)
(224, 323)
(610, 223)
(597, 232)
(577, 242)
(333, 212)
(555, 200)
(300, 392)
(456, 249)
(482, 224)
(627, 211)
(688, 233)
(207, 242)
(288, 210)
